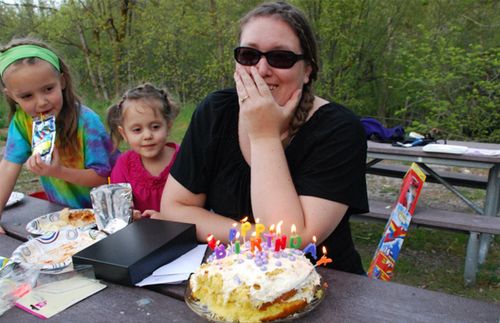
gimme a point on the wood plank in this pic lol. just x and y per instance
(455, 179)
(435, 218)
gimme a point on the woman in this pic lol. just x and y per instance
(272, 149)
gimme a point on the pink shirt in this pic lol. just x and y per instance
(147, 189)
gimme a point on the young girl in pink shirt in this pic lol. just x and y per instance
(143, 118)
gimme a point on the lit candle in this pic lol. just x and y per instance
(237, 244)
(269, 236)
(279, 243)
(324, 260)
(232, 232)
(211, 241)
(295, 239)
(255, 242)
(259, 227)
(220, 251)
(311, 248)
(244, 229)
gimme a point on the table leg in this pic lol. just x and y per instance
(490, 209)
(471, 259)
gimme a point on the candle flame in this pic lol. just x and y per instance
(245, 219)
(314, 239)
(294, 229)
(324, 250)
(217, 243)
(279, 226)
(235, 224)
(257, 220)
(271, 228)
(237, 235)
(210, 237)
(254, 234)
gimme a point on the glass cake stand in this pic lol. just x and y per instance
(203, 311)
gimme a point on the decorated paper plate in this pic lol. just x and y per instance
(52, 252)
(203, 311)
(64, 219)
(14, 198)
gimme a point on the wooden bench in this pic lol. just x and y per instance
(436, 218)
(456, 179)
(473, 224)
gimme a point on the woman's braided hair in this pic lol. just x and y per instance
(299, 24)
(169, 109)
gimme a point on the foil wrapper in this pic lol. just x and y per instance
(44, 136)
(112, 204)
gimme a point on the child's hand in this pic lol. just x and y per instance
(150, 214)
(36, 165)
(136, 215)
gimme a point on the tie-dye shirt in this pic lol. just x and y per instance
(96, 152)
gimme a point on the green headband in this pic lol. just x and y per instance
(24, 51)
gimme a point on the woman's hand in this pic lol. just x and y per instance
(36, 165)
(264, 117)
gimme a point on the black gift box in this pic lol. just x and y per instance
(133, 253)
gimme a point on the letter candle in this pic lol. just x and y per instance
(324, 260)
(211, 241)
(269, 236)
(220, 251)
(259, 228)
(279, 243)
(255, 242)
(295, 239)
(232, 232)
(244, 229)
(237, 244)
(311, 248)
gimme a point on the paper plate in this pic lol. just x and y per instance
(52, 252)
(14, 198)
(64, 219)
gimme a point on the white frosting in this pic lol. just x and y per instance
(259, 269)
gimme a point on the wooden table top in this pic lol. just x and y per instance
(349, 297)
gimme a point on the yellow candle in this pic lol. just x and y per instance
(259, 228)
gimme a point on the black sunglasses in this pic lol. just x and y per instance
(276, 58)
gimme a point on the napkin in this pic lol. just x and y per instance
(178, 270)
(47, 300)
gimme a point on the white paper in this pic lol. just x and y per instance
(484, 152)
(177, 270)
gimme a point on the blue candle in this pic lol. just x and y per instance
(311, 248)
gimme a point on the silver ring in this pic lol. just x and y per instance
(243, 99)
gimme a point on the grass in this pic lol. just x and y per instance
(431, 259)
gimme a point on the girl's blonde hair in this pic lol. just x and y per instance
(169, 109)
(67, 120)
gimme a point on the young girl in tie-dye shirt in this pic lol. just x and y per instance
(37, 82)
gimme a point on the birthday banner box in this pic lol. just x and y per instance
(133, 253)
(387, 252)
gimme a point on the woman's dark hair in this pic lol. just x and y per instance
(299, 24)
(169, 109)
(67, 120)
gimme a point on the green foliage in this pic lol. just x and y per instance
(420, 64)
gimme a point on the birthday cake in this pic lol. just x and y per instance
(256, 285)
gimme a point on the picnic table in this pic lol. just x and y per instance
(349, 297)
(480, 229)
